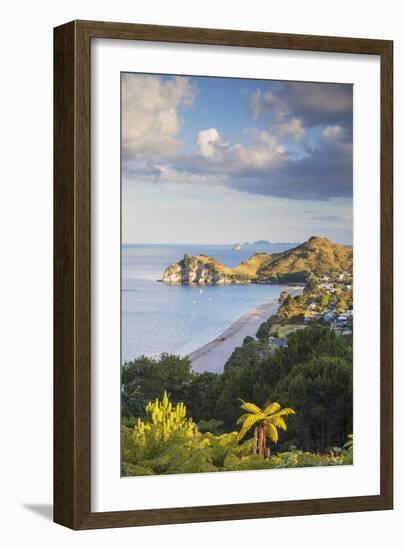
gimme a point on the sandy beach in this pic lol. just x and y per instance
(212, 356)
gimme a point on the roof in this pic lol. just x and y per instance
(280, 342)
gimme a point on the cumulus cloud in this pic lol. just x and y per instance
(214, 154)
(263, 168)
(266, 168)
(290, 128)
(325, 172)
(278, 161)
(150, 114)
(309, 102)
(260, 103)
(332, 132)
(209, 142)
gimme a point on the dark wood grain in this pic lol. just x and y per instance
(386, 359)
(72, 291)
(64, 344)
(221, 37)
(72, 274)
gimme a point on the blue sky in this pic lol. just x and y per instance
(219, 160)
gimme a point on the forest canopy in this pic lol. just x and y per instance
(312, 375)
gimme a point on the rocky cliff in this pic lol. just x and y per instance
(201, 270)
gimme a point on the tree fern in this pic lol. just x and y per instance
(267, 421)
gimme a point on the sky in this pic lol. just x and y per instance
(224, 160)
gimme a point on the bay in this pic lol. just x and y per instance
(179, 319)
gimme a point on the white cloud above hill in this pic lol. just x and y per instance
(150, 118)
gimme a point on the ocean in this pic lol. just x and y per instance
(158, 317)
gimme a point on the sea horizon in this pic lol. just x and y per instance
(209, 243)
(243, 244)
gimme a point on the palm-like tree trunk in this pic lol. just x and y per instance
(261, 438)
(261, 442)
(266, 449)
(255, 444)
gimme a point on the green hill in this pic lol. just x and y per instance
(318, 256)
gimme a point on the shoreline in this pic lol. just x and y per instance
(211, 357)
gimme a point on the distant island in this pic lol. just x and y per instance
(236, 246)
(266, 243)
(318, 256)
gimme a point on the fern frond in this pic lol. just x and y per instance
(250, 407)
(165, 459)
(272, 432)
(279, 422)
(286, 411)
(250, 421)
(245, 447)
(231, 462)
(283, 412)
(199, 460)
(272, 408)
(242, 418)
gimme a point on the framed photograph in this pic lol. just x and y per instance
(222, 275)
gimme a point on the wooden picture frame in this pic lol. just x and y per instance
(72, 272)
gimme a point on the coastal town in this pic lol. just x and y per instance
(326, 299)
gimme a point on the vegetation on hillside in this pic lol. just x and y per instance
(195, 426)
(317, 256)
(167, 442)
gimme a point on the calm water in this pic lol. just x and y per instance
(178, 319)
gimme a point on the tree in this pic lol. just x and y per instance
(201, 395)
(324, 301)
(160, 441)
(263, 331)
(145, 377)
(322, 391)
(266, 422)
